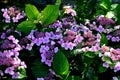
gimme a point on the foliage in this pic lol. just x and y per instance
(51, 44)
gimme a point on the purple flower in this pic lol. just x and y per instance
(8, 53)
(117, 67)
(56, 24)
(78, 39)
(47, 58)
(115, 78)
(12, 14)
(58, 36)
(29, 46)
(105, 21)
(95, 48)
(23, 65)
(100, 29)
(98, 36)
(1, 73)
(71, 45)
(44, 49)
(15, 75)
(105, 65)
(47, 34)
(56, 49)
(46, 40)
(31, 34)
(109, 37)
(38, 41)
(52, 43)
(117, 39)
(69, 10)
(48, 62)
(7, 44)
(64, 45)
(15, 19)
(7, 20)
(4, 10)
(16, 61)
(43, 56)
(10, 70)
(67, 46)
(3, 36)
(113, 39)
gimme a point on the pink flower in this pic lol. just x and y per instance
(69, 10)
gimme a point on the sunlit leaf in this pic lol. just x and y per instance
(32, 12)
(26, 26)
(49, 14)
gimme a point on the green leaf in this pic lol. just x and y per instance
(107, 59)
(90, 74)
(113, 6)
(39, 69)
(49, 14)
(101, 69)
(58, 2)
(116, 11)
(26, 26)
(103, 40)
(22, 73)
(32, 12)
(91, 54)
(74, 78)
(105, 4)
(60, 64)
(110, 14)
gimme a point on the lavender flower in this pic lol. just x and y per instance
(113, 39)
(109, 37)
(117, 67)
(13, 13)
(105, 65)
(3, 36)
(105, 21)
(44, 49)
(115, 78)
(15, 75)
(100, 29)
(10, 70)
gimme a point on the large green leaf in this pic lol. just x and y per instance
(105, 4)
(32, 12)
(49, 14)
(60, 64)
(39, 69)
(26, 26)
(103, 40)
